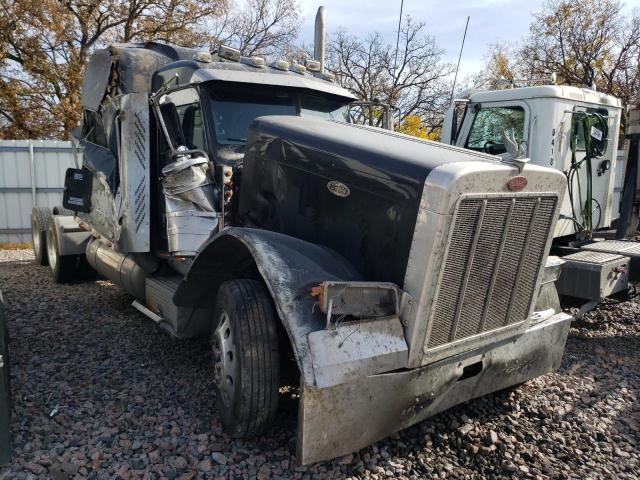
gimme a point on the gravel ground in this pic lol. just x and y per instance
(100, 392)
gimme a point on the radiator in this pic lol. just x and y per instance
(489, 272)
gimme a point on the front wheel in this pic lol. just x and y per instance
(245, 358)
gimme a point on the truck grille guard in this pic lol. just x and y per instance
(490, 267)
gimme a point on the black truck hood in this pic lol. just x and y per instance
(294, 174)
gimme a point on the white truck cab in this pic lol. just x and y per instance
(542, 119)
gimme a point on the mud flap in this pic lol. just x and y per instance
(5, 390)
(344, 418)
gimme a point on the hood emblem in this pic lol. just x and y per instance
(516, 184)
(339, 189)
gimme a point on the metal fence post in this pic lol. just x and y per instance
(32, 160)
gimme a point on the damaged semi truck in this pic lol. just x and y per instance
(231, 199)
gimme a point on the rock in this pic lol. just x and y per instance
(621, 453)
(179, 463)
(205, 465)
(219, 458)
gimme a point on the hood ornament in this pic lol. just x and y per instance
(516, 151)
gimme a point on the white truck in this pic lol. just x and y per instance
(574, 131)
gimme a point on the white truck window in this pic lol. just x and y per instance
(488, 125)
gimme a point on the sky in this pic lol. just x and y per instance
(492, 21)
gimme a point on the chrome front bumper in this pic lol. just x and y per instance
(337, 420)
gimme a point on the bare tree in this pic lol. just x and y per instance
(45, 45)
(414, 77)
(261, 27)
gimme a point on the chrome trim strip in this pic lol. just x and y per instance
(465, 281)
(496, 267)
(524, 255)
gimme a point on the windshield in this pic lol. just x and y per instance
(235, 109)
(235, 106)
(490, 123)
(323, 107)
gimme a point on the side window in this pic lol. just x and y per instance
(189, 116)
(489, 124)
(192, 126)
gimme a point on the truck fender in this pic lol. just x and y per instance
(289, 268)
(72, 240)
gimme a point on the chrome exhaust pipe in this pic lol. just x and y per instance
(121, 269)
(318, 41)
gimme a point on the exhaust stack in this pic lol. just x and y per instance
(318, 42)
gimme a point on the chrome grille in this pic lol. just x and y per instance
(494, 255)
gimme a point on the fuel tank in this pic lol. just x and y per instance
(351, 188)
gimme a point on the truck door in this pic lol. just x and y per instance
(5, 390)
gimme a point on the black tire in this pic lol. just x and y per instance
(5, 389)
(246, 358)
(63, 268)
(39, 221)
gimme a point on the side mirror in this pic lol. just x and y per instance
(77, 190)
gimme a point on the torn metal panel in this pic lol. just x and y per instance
(190, 196)
(352, 350)
(290, 268)
(96, 79)
(103, 217)
(344, 418)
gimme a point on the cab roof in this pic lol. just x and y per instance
(243, 73)
(545, 91)
(142, 67)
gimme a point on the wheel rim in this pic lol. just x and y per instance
(52, 255)
(224, 360)
(35, 235)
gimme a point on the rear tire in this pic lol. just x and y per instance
(39, 221)
(64, 268)
(5, 388)
(246, 358)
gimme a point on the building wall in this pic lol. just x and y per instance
(31, 174)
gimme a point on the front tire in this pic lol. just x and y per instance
(63, 268)
(39, 221)
(246, 358)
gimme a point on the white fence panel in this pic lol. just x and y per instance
(31, 174)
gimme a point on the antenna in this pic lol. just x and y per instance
(395, 60)
(455, 78)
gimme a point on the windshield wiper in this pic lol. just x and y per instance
(231, 139)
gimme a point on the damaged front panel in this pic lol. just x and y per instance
(190, 196)
(337, 420)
